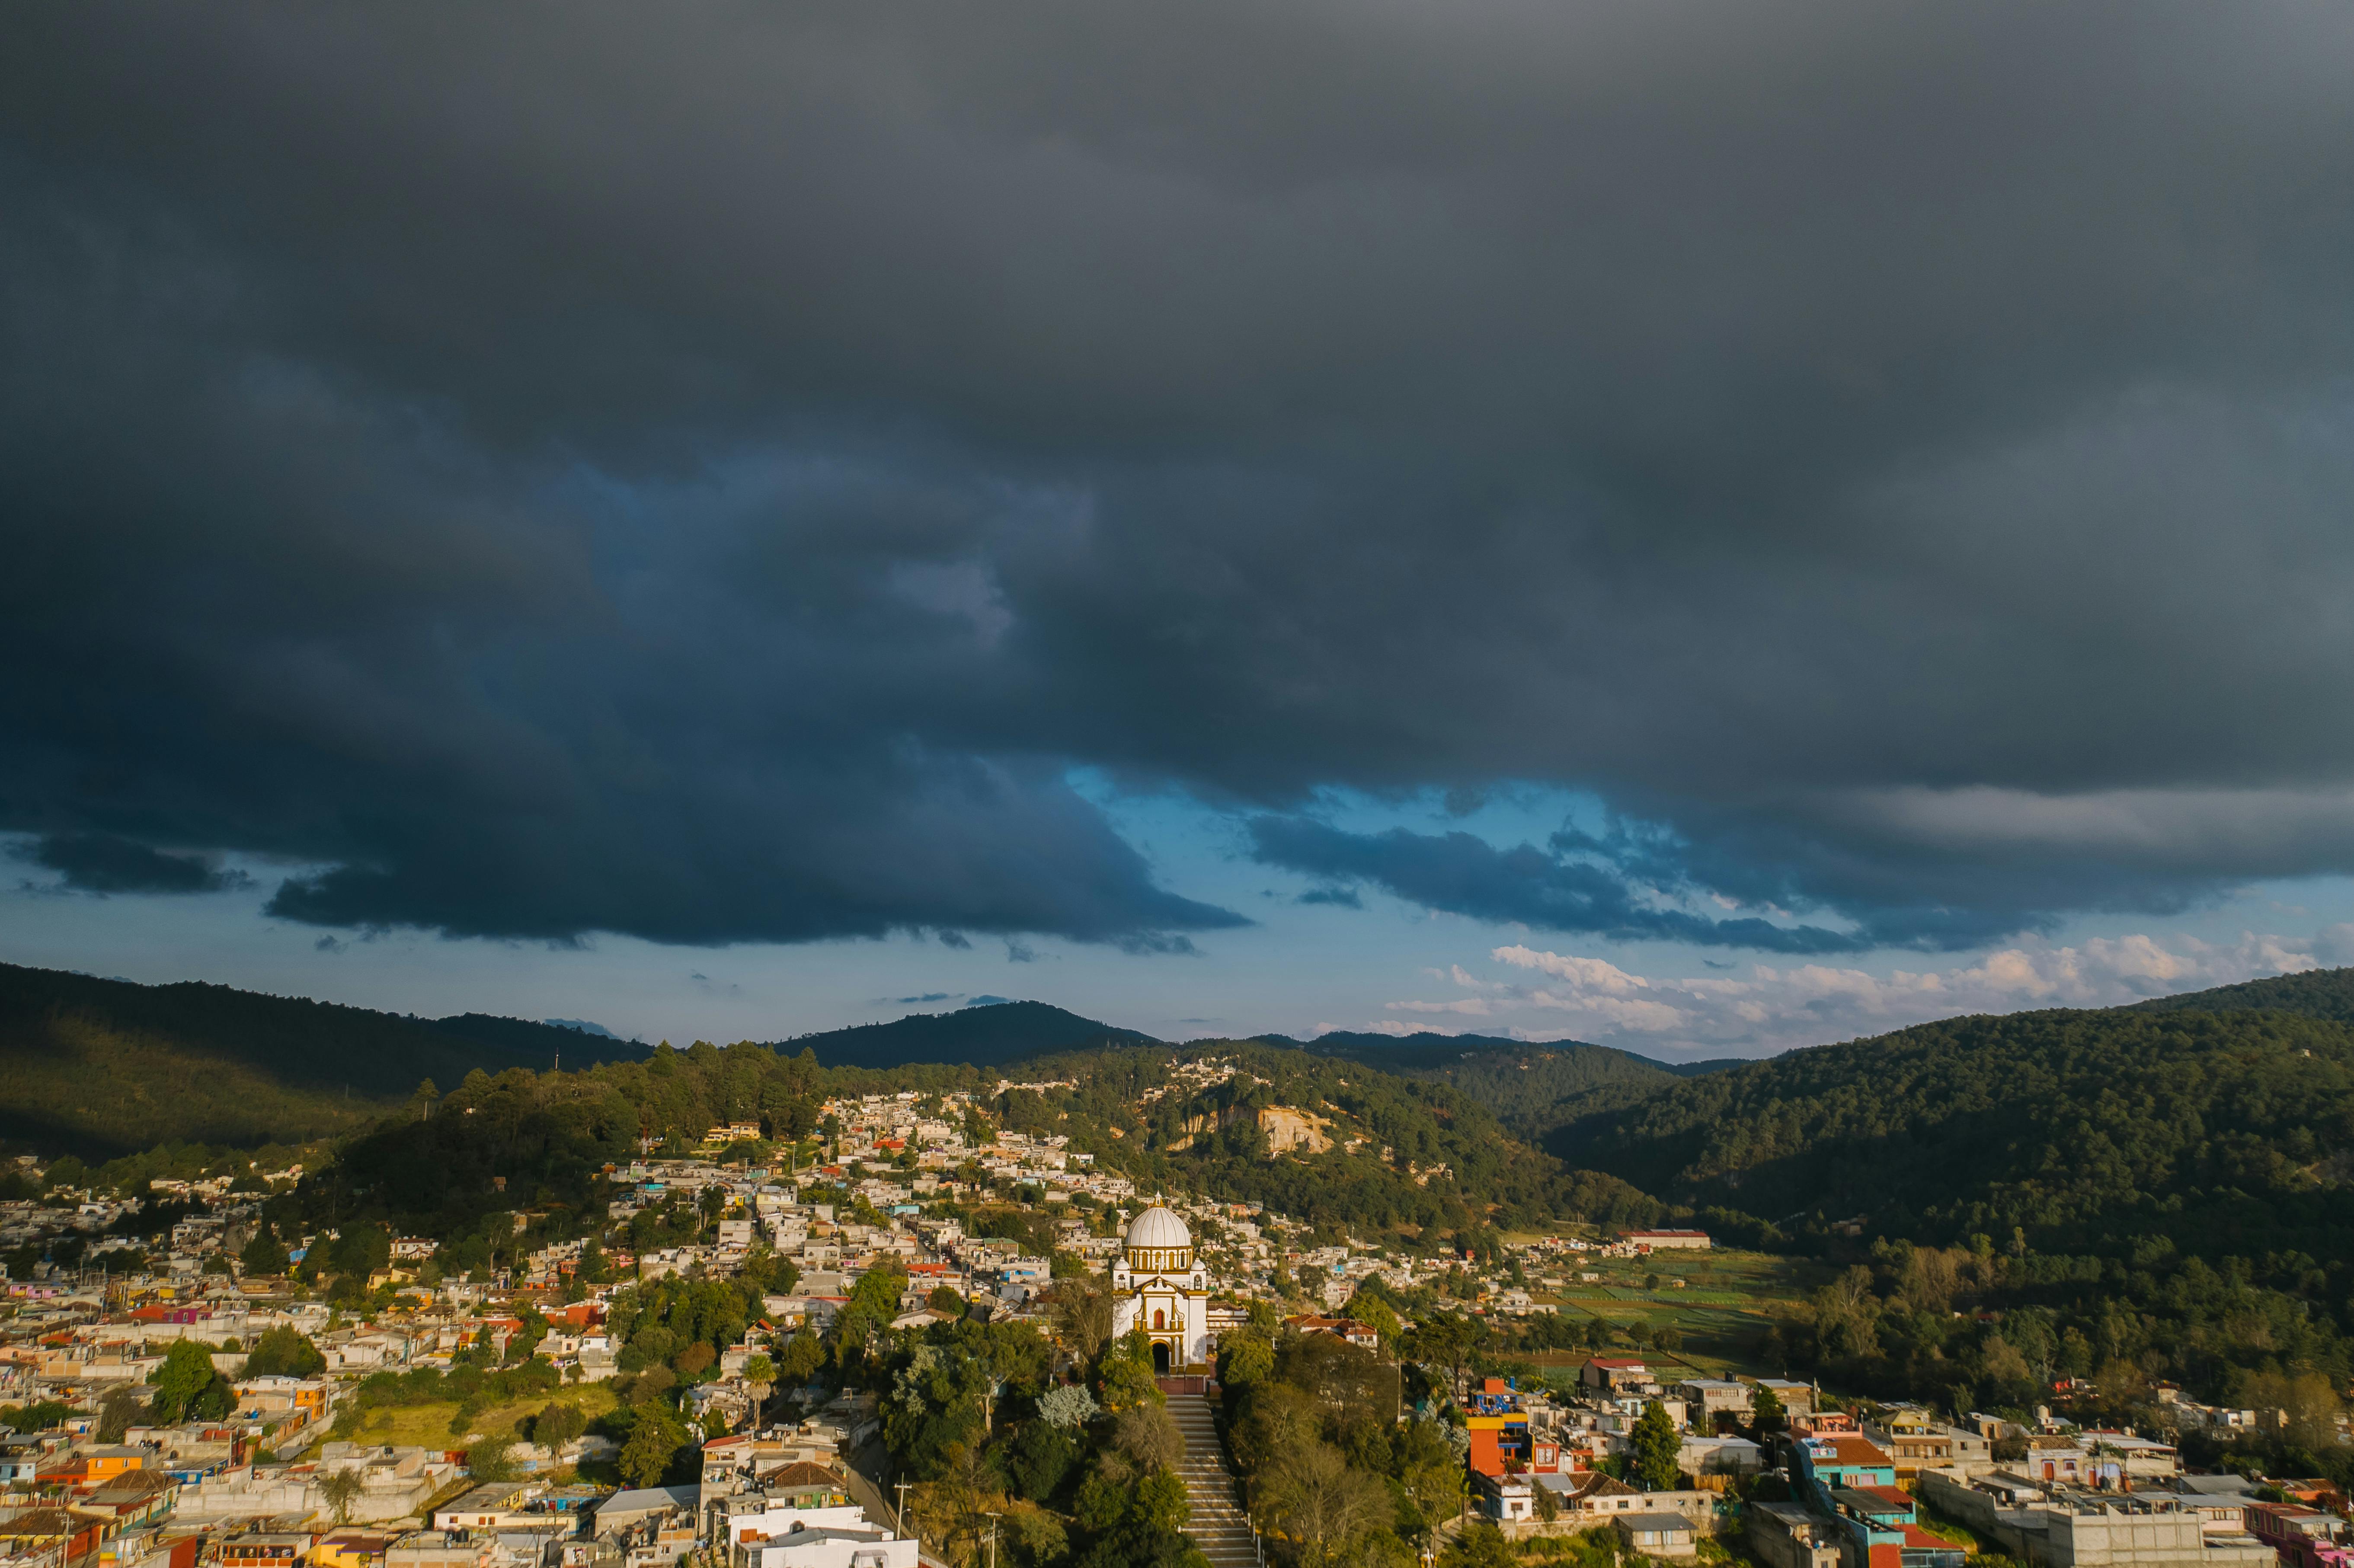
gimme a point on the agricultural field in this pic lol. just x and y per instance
(1723, 1307)
(428, 1424)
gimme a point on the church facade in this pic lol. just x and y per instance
(1163, 1290)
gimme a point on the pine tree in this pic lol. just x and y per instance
(653, 1443)
(1657, 1446)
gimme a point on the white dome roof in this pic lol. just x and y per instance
(1157, 1227)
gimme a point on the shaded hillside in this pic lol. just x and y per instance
(1531, 1088)
(2224, 1131)
(98, 1068)
(519, 1042)
(985, 1036)
(2316, 994)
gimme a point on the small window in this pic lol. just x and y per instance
(1160, 1318)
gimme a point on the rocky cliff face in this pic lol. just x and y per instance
(1287, 1130)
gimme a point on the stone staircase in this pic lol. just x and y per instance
(1218, 1526)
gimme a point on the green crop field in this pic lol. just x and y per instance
(1727, 1302)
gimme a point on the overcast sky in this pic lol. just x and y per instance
(1711, 527)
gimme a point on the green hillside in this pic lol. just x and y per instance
(2222, 1131)
(2316, 994)
(100, 1068)
(1531, 1088)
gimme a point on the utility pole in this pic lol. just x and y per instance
(992, 1539)
(900, 1518)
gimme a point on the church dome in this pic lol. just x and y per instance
(1159, 1229)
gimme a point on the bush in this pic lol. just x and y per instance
(284, 1352)
(556, 1425)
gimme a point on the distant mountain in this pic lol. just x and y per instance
(100, 1066)
(1531, 1088)
(1401, 1052)
(1698, 1069)
(986, 1036)
(582, 1024)
(2316, 993)
(539, 1045)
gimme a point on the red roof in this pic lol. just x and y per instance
(1848, 1449)
(803, 1473)
(1346, 1327)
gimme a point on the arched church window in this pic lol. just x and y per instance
(1160, 1318)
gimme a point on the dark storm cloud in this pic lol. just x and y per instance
(709, 474)
(1625, 885)
(100, 862)
(1466, 875)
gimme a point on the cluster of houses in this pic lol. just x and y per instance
(1857, 1489)
(265, 1486)
(779, 1497)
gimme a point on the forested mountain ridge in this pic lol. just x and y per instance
(1425, 1052)
(98, 1068)
(2315, 993)
(528, 1042)
(2083, 1129)
(986, 1034)
(1531, 1088)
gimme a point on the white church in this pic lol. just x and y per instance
(1167, 1293)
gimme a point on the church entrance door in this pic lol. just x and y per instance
(1159, 1360)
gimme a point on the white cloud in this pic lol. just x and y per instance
(1643, 1017)
(1592, 973)
(1470, 982)
(1773, 1008)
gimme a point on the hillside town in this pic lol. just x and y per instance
(113, 1462)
